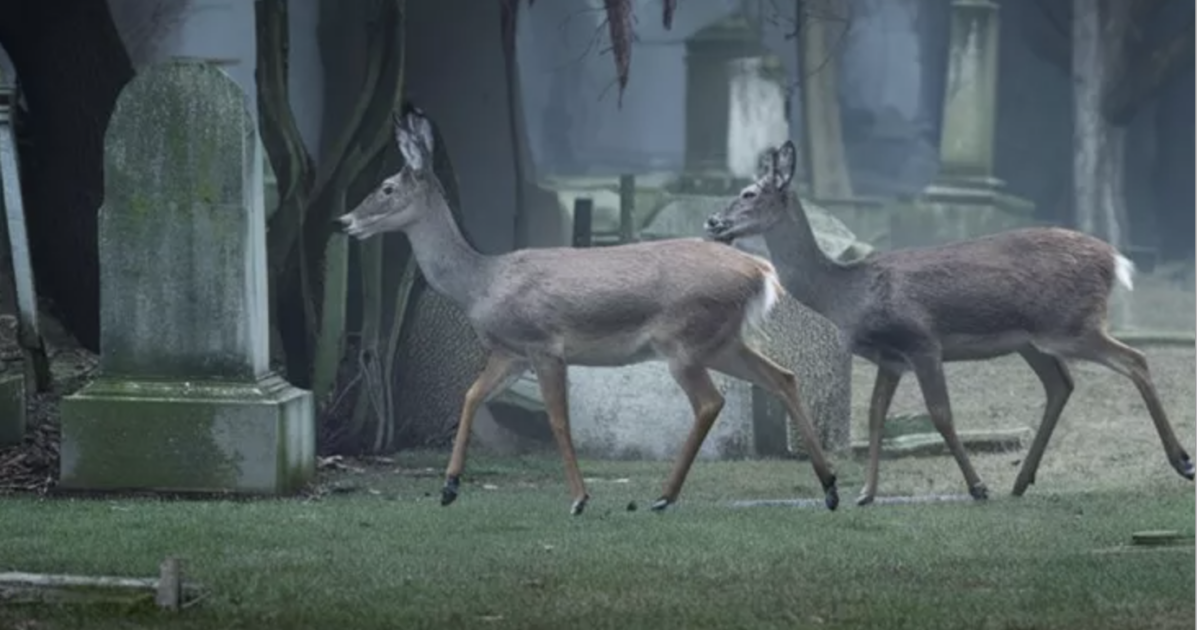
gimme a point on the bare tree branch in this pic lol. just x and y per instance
(1053, 46)
(1146, 75)
(620, 33)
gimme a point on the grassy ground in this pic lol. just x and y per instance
(374, 550)
(377, 551)
(388, 556)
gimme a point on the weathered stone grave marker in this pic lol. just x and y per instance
(185, 399)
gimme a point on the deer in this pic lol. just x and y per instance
(1040, 292)
(691, 303)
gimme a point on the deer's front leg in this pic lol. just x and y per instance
(499, 372)
(552, 379)
(707, 403)
(886, 382)
(928, 368)
(1056, 380)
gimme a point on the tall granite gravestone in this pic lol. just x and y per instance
(185, 400)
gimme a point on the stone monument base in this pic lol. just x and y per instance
(638, 412)
(950, 211)
(12, 407)
(202, 437)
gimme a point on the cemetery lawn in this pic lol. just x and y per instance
(373, 549)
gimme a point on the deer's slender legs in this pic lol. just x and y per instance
(886, 382)
(1103, 349)
(932, 379)
(499, 372)
(1057, 381)
(707, 403)
(552, 379)
(748, 364)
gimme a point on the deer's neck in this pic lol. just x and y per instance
(448, 262)
(811, 277)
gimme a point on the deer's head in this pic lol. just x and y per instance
(400, 199)
(760, 205)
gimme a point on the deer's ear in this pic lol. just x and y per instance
(784, 167)
(411, 132)
(423, 129)
(766, 162)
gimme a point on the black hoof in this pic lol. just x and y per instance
(578, 505)
(979, 492)
(661, 504)
(1186, 468)
(450, 490)
(865, 499)
(831, 493)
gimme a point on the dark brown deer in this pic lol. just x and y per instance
(1039, 292)
(688, 302)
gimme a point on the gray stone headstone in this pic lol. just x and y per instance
(182, 230)
(185, 400)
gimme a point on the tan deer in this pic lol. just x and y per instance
(1039, 292)
(689, 302)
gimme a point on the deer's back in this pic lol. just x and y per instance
(614, 301)
(995, 291)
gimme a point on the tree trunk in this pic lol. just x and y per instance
(825, 152)
(72, 66)
(1098, 61)
(1098, 65)
(508, 38)
(1087, 73)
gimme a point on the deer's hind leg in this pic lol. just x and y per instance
(1099, 347)
(1056, 379)
(499, 372)
(749, 365)
(707, 403)
(552, 380)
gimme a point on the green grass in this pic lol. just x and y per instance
(386, 555)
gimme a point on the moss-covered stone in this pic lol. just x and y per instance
(256, 438)
(182, 230)
(185, 401)
(12, 407)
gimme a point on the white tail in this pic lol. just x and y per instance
(687, 302)
(758, 310)
(1042, 293)
(1124, 270)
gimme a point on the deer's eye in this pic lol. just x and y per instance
(389, 189)
(748, 194)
